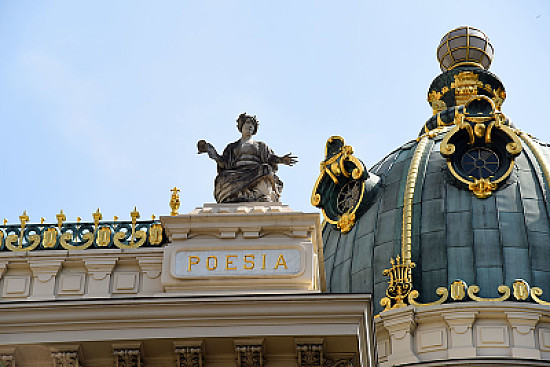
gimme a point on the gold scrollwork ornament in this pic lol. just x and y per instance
(66, 240)
(140, 235)
(502, 289)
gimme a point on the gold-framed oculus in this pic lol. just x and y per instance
(344, 188)
(481, 147)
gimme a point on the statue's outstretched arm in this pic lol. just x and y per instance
(205, 147)
(287, 159)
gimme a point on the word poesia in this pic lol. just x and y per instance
(249, 262)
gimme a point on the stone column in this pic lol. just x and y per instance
(523, 334)
(189, 353)
(99, 275)
(44, 272)
(461, 334)
(127, 355)
(249, 352)
(400, 325)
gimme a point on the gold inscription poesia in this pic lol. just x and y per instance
(211, 262)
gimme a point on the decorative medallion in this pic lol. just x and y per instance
(344, 188)
(481, 148)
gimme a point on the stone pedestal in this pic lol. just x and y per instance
(242, 248)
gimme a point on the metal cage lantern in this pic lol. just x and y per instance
(465, 46)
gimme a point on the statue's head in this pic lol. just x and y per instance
(243, 117)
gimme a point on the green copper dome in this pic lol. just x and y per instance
(466, 202)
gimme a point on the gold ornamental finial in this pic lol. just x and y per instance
(5, 221)
(78, 219)
(115, 218)
(60, 218)
(97, 217)
(24, 219)
(175, 201)
(153, 217)
(42, 219)
(135, 215)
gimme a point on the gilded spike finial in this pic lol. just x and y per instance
(135, 216)
(115, 218)
(97, 217)
(24, 219)
(5, 221)
(175, 201)
(153, 217)
(42, 219)
(78, 219)
(60, 218)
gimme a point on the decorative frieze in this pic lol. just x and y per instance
(128, 355)
(189, 354)
(65, 359)
(249, 353)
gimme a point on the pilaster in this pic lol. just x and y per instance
(249, 352)
(151, 267)
(523, 334)
(128, 355)
(189, 353)
(461, 334)
(7, 356)
(66, 357)
(99, 271)
(44, 272)
(400, 325)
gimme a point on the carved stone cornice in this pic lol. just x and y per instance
(249, 353)
(127, 355)
(65, 359)
(189, 354)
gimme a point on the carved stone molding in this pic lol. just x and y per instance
(311, 353)
(189, 354)
(7, 360)
(249, 353)
(65, 359)
(127, 355)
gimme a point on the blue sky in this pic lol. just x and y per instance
(102, 102)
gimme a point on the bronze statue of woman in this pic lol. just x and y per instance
(246, 169)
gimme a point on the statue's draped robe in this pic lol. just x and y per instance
(240, 182)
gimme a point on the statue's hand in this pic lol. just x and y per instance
(205, 147)
(289, 159)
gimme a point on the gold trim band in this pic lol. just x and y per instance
(406, 233)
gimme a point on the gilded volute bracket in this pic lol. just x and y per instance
(344, 188)
(481, 147)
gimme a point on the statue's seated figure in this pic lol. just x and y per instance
(246, 169)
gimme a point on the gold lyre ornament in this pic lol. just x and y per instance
(175, 201)
(400, 284)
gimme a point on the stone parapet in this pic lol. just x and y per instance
(507, 334)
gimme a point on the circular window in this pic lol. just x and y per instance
(480, 163)
(348, 196)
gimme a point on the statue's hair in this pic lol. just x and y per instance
(242, 119)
